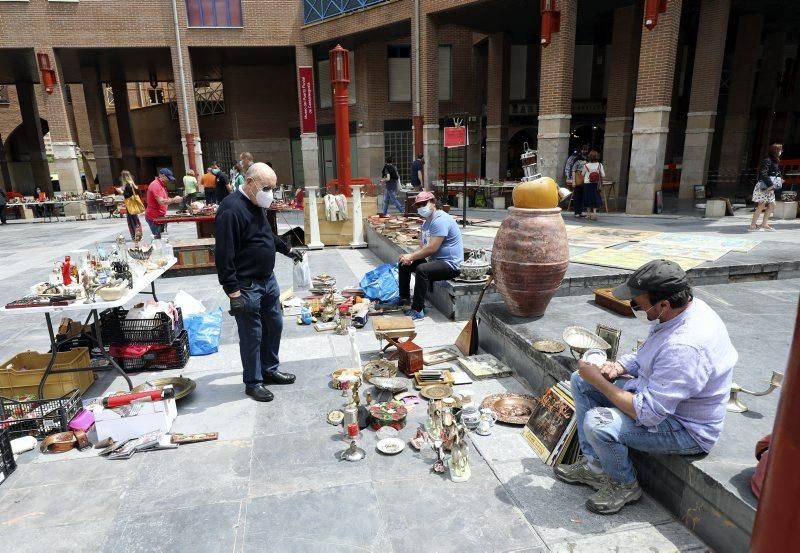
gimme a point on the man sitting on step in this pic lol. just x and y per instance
(669, 397)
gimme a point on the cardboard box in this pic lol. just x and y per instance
(145, 417)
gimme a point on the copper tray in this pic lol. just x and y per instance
(511, 408)
(183, 386)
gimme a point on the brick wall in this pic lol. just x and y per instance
(657, 58)
(709, 56)
(557, 61)
(624, 60)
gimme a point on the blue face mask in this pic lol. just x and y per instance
(424, 211)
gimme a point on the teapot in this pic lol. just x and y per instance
(488, 418)
(470, 416)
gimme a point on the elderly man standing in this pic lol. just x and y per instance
(674, 402)
(245, 259)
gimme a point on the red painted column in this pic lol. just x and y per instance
(340, 78)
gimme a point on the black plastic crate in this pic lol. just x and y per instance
(116, 329)
(39, 417)
(174, 356)
(7, 463)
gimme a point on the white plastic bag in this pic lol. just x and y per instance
(189, 304)
(302, 274)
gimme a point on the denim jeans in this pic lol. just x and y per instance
(605, 433)
(134, 225)
(260, 327)
(426, 273)
(390, 197)
(155, 228)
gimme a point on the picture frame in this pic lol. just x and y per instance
(612, 336)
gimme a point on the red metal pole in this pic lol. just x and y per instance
(418, 122)
(190, 152)
(778, 516)
(341, 115)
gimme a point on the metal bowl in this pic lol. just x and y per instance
(511, 408)
(580, 339)
(183, 386)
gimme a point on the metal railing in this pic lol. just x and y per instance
(320, 10)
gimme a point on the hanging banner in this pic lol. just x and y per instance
(308, 113)
(455, 137)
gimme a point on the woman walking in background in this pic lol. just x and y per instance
(593, 174)
(189, 189)
(769, 179)
(133, 205)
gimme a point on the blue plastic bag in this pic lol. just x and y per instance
(382, 284)
(204, 331)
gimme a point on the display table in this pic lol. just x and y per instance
(204, 223)
(96, 337)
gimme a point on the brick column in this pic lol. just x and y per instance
(743, 74)
(127, 144)
(429, 79)
(309, 143)
(497, 106)
(710, 51)
(372, 92)
(621, 94)
(555, 96)
(34, 141)
(188, 121)
(5, 175)
(651, 114)
(98, 126)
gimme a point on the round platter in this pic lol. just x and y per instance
(183, 386)
(335, 417)
(511, 408)
(436, 391)
(391, 446)
(549, 346)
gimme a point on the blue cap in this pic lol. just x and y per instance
(167, 173)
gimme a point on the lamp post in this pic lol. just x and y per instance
(340, 79)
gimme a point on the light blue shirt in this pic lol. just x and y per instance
(684, 369)
(452, 249)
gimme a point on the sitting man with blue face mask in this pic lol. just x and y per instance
(438, 257)
(673, 401)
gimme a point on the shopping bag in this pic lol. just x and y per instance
(382, 284)
(302, 274)
(204, 331)
(134, 205)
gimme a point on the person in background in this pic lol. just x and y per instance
(769, 178)
(417, 178)
(391, 181)
(576, 175)
(593, 175)
(238, 181)
(246, 160)
(209, 182)
(189, 189)
(438, 257)
(673, 404)
(128, 190)
(245, 260)
(573, 157)
(223, 184)
(157, 201)
(3, 203)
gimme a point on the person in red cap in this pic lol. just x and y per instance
(438, 257)
(157, 201)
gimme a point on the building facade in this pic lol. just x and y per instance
(675, 93)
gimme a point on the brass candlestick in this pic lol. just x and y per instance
(735, 405)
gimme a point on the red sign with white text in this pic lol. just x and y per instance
(455, 137)
(308, 113)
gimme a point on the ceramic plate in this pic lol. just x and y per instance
(386, 432)
(436, 391)
(391, 446)
(335, 417)
(511, 408)
(391, 384)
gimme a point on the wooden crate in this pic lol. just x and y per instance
(195, 257)
(338, 233)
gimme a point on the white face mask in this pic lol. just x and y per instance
(264, 198)
(425, 211)
(641, 314)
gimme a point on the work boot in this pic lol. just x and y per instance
(259, 393)
(277, 377)
(580, 473)
(613, 496)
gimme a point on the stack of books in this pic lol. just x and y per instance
(552, 428)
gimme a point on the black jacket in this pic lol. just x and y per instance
(245, 245)
(768, 168)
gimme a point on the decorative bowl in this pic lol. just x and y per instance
(113, 293)
(393, 385)
(379, 368)
(789, 196)
(142, 254)
(580, 339)
(387, 432)
(390, 413)
(511, 408)
(476, 266)
(354, 374)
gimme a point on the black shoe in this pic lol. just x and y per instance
(277, 377)
(259, 393)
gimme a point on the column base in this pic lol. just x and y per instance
(648, 148)
(315, 246)
(696, 152)
(358, 245)
(553, 145)
(65, 161)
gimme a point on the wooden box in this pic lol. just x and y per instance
(410, 358)
(604, 298)
(195, 257)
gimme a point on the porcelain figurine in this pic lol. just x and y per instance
(459, 458)
(488, 418)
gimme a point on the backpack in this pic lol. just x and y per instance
(594, 176)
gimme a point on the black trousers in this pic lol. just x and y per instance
(577, 199)
(426, 272)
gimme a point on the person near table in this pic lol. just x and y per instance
(189, 189)
(222, 184)
(769, 178)
(209, 182)
(128, 189)
(417, 177)
(438, 257)
(3, 203)
(157, 201)
(669, 397)
(391, 182)
(245, 260)
(246, 160)
(593, 175)
(238, 180)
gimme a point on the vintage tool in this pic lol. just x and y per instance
(409, 358)
(125, 399)
(467, 341)
(735, 405)
(193, 438)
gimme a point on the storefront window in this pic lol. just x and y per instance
(214, 13)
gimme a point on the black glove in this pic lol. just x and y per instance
(296, 255)
(237, 305)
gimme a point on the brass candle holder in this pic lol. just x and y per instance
(735, 405)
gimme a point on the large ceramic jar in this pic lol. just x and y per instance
(529, 259)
